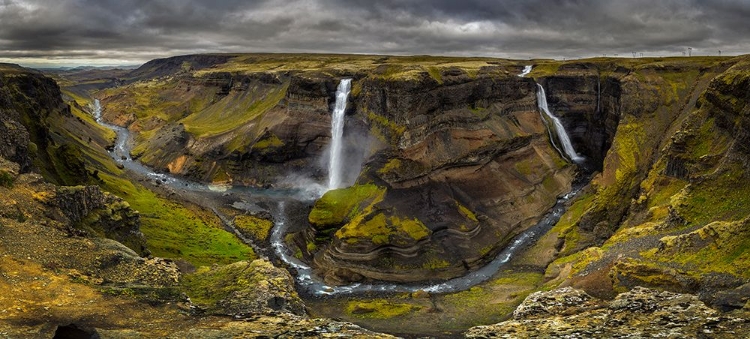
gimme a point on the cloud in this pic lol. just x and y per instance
(139, 30)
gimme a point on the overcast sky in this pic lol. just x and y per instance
(71, 32)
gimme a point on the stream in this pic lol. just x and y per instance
(278, 200)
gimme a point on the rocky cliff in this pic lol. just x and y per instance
(468, 142)
(468, 165)
(72, 257)
(456, 160)
(669, 209)
(639, 313)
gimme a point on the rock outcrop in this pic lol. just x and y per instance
(639, 313)
(27, 98)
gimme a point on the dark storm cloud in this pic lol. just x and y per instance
(140, 29)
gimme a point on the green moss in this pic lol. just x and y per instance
(550, 184)
(271, 141)
(523, 167)
(725, 198)
(392, 131)
(436, 264)
(663, 194)
(207, 285)
(335, 207)
(580, 260)
(379, 308)
(566, 226)
(6, 179)
(393, 165)
(232, 111)
(175, 231)
(466, 212)
(258, 228)
(356, 89)
(435, 74)
(381, 230)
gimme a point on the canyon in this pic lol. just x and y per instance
(447, 160)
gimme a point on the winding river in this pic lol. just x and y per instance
(278, 201)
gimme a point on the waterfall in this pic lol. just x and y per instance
(526, 71)
(337, 132)
(561, 133)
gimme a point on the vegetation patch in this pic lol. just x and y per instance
(723, 199)
(175, 231)
(258, 228)
(6, 179)
(272, 141)
(337, 206)
(383, 230)
(720, 247)
(566, 227)
(467, 213)
(236, 109)
(379, 308)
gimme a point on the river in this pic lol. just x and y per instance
(278, 200)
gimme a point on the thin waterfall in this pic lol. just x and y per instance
(561, 133)
(337, 133)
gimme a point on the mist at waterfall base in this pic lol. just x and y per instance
(342, 158)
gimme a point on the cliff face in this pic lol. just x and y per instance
(28, 98)
(669, 209)
(588, 100)
(71, 256)
(457, 159)
(467, 166)
(471, 147)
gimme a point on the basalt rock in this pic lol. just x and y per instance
(89, 209)
(467, 167)
(27, 98)
(639, 313)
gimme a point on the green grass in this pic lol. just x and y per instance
(335, 207)
(236, 109)
(258, 228)
(381, 230)
(379, 308)
(174, 231)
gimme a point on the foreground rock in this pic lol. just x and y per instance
(640, 313)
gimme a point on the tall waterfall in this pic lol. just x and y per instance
(337, 132)
(561, 133)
